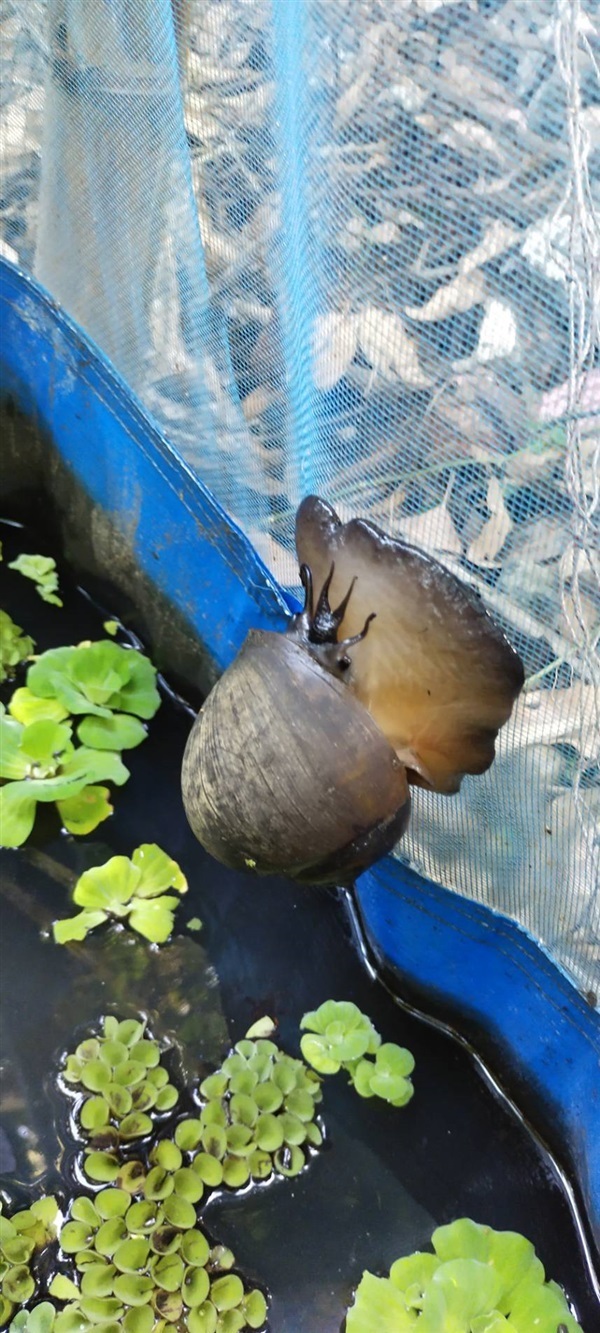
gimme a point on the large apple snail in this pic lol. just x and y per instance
(300, 760)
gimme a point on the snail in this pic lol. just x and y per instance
(301, 759)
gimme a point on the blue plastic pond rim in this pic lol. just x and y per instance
(446, 953)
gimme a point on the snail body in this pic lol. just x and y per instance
(300, 760)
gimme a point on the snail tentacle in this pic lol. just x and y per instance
(318, 628)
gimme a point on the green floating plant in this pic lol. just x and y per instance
(39, 1319)
(42, 570)
(99, 679)
(477, 1281)
(39, 762)
(15, 646)
(131, 889)
(22, 1236)
(124, 1085)
(339, 1036)
(258, 1118)
(145, 1265)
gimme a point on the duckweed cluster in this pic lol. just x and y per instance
(23, 1237)
(125, 1087)
(146, 1266)
(258, 1118)
(338, 1035)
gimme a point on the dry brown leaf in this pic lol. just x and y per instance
(490, 540)
(499, 236)
(432, 531)
(389, 348)
(461, 294)
(334, 345)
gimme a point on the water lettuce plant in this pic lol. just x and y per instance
(22, 1237)
(127, 889)
(97, 679)
(258, 1117)
(40, 763)
(338, 1035)
(15, 646)
(42, 570)
(476, 1281)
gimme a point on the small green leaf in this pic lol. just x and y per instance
(131, 1255)
(100, 1308)
(196, 1287)
(75, 1236)
(194, 923)
(136, 1125)
(159, 1184)
(166, 1099)
(140, 1319)
(167, 1155)
(227, 1292)
(317, 1052)
(203, 1319)
(111, 627)
(108, 887)
(15, 646)
(112, 1203)
(102, 1167)
(254, 1309)
(142, 1216)
(188, 1184)
(379, 1306)
(83, 1210)
(209, 1169)
(17, 814)
(290, 1160)
(188, 1134)
(154, 919)
(97, 1280)
(42, 570)
(179, 1212)
(236, 1172)
(195, 1249)
(110, 1235)
(120, 731)
(94, 1114)
(168, 1271)
(264, 1027)
(83, 813)
(158, 871)
(27, 707)
(76, 927)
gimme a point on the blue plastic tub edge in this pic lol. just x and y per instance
(59, 378)
(469, 960)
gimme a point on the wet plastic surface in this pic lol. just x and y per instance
(386, 1177)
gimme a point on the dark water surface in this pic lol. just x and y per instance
(386, 1177)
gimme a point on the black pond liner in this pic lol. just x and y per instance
(385, 1177)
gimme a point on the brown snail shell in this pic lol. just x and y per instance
(286, 772)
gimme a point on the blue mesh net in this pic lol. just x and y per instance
(351, 248)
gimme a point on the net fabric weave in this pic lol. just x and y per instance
(353, 248)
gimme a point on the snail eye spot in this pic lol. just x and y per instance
(344, 663)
